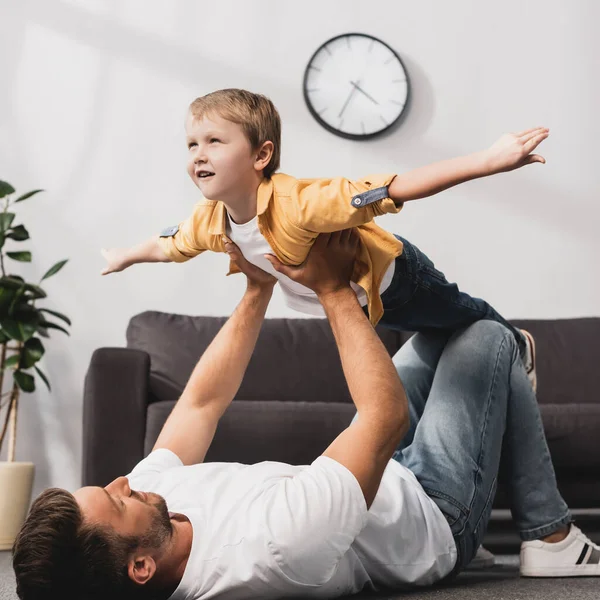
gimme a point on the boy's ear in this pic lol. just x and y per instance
(263, 155)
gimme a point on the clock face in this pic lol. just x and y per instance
(356, 86)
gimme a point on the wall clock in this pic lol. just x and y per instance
(356, 86)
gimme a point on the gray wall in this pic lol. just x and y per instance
(92, 100)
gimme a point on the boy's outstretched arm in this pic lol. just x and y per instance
(118, 259)
(511, 151)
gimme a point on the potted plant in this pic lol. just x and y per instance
(22, 323)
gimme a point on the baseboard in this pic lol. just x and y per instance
(502, 536)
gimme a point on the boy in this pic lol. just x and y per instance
(234, 140)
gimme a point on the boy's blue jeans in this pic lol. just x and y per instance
(473, 413)
(420, 298)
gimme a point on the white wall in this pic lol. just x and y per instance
(92, 100)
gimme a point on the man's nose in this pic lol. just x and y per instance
(119, 485)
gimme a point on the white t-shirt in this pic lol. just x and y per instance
(254, 246)
(273, 530)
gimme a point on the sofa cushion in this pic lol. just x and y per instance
(295, 359)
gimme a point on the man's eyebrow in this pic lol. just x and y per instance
(112, 501)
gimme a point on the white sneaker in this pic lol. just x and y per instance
(529, 360)
(575, 556)
(484, 559)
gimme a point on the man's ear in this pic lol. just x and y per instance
(141, 568)
(263, 155)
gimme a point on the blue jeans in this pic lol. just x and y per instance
(420, 298)
(471, 407)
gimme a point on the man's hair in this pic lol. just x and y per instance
(256, 114)
(57, 555)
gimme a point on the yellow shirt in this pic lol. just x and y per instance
(291, 214)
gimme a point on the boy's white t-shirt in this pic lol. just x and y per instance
(254, 246)
(273, 530)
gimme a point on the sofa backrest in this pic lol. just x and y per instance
(297, 359)
(294, 360)
(568, 359)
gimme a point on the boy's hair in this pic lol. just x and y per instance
(255, 113)
(57, 555)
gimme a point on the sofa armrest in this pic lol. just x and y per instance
(115, 404)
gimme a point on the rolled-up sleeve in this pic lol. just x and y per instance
(326, 205)
(189, 238)
(312, 519)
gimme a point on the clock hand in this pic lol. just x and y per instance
(347, 100)
(357, 87)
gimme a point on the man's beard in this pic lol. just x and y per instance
(161, 528)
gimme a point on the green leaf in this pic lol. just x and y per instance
(18, 233)
(25, 381)
(6, 189)
(6, 296)
(44, 378)
(42, 331)
(35, 290)
(27, 314)
(6, 220)
(49, 325)
(24, 256)
(15, 301)
(55, 269)
(57, 315)
(12, 361)
(28, 195)
(33, 350)
(11, 281)
(3, 337)
(17, 330)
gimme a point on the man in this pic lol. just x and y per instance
(177, 528)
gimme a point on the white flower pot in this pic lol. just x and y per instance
(16, 481)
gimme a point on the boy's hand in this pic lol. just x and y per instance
(329, 264)
(116, 259)
(513, 150)
(255, 275)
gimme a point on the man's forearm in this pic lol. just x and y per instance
(219, 372)
(372, 379)
(434, 178)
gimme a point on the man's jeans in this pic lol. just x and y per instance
(470, 401)
(420, 298)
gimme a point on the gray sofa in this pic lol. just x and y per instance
(294, 400)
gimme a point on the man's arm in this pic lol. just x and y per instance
(191, 426)
(510, 152)
(366, 446)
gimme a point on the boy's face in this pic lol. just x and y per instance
(220, 158)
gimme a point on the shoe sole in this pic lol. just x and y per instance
(580, 571)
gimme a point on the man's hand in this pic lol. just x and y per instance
(117, 259)
(513, 150)
(255, 275)
(329, 264)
